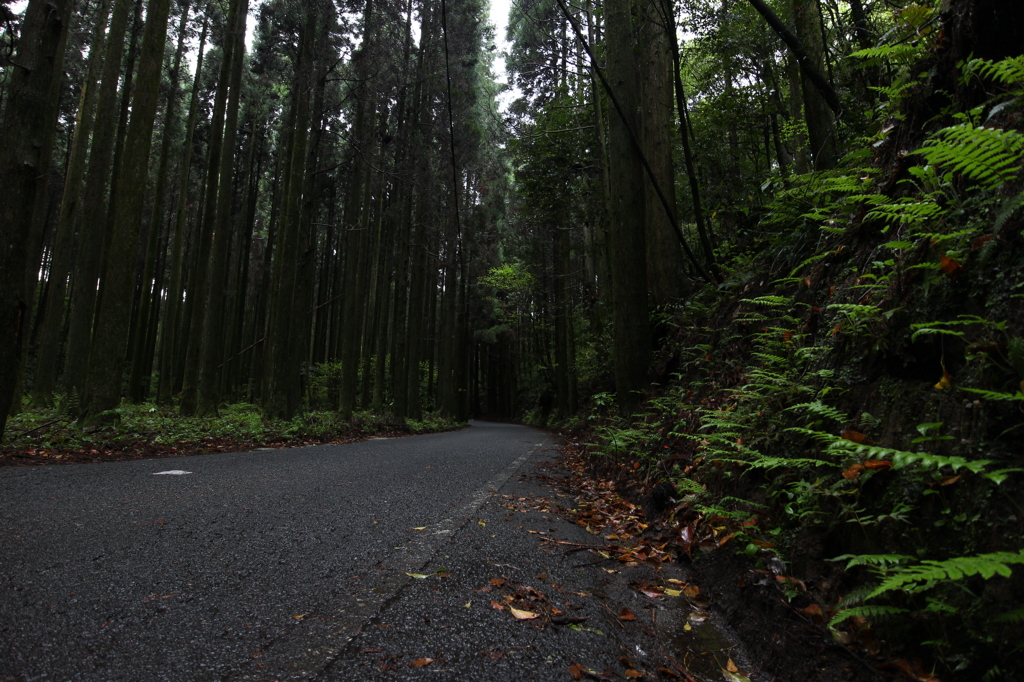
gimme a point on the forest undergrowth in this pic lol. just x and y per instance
(845, 411)
(53, 435)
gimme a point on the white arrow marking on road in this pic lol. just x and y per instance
(173, 472)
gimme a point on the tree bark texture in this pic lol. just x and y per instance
(29, 119)
(113, 319)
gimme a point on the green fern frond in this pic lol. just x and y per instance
(1009, 72)
(996, 395)
(923, 575)
(882, 561)
(873, 612)
(769, 301)
(820, 409)
(770, 358)
(989, 156)
(879, 55)
(1006, 211)
(906, 212)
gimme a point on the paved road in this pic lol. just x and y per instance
(291, 564)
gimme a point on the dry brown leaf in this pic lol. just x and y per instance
(576, 671)
(421, 662)
(498, 605)
(634, 674)
(731, 667)
(855, 436)
(949, 266)
(626, 614)
(523, 615)
(497, 582)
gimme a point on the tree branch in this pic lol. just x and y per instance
(802, 58)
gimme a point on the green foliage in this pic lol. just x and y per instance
(875, 613)
(510, 277)
(988, 156)
(928, 573)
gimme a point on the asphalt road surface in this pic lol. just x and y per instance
(294, 564)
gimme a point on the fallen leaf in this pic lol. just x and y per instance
(853, 472)
(691, 591)
(421, 662)
(576, 671)
(626, 614)
(481, 523)
(731, 667)
(945, 381)
(497, 605)
(673, 593)
(734, 677)
(497, 582)
(672, 673)
(523, 615)
(634, 674)
(467, 604)
(419, 528)
(877, 464)
(854, 436)
(418, 576)
(301, 616)
(949, 266)
(950, 480)
(814, 611)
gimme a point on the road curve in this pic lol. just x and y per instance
(257, 565)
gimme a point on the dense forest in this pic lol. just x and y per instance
(764, 255)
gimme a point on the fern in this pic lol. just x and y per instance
(1009, 72)
(1006, 212)
(902, 458)
(879, 55)
(996, 395)
(768, 301)
(906, 212)
(925, 574)
(869, 611)
(963, 320)
(881, 561)
(820, 409)
(989, 156)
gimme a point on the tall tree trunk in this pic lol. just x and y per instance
(630, 333)
(357, 215)
(195, 337)
(106, 359)
(213, 327)
(48, 362)
(29, 119)
(94, 208)
(172, 318)
(820, 125)
(142, 360)
(665, 275)
(283, 388)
